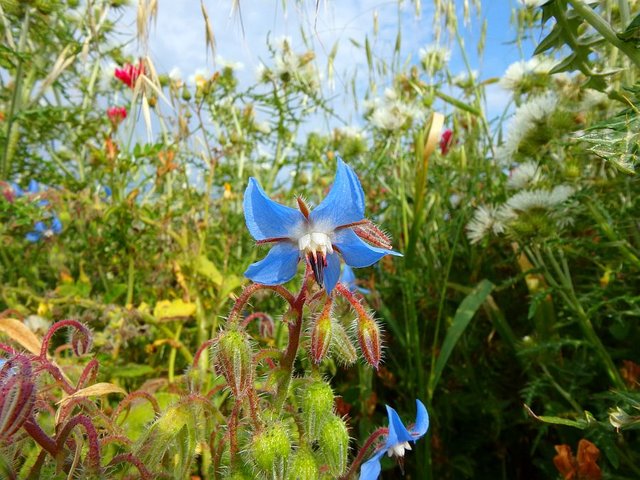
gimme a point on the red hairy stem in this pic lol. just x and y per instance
(351, 298)
(233, 431)
(45, 364)
(265, 354)
(133, 460)
(121, 439)
(138, 394)
(251, 290)
(93, 456)
(363, 451)
(214, 390)
(89, 374)
(92, 409)
(295, 330)
(203, 347)
(253, 407)
(79, 327)
(34, 473)
(7, 348)
(256, 316)
(216, 452)
(41, 438)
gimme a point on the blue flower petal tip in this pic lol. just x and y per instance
(334, 229)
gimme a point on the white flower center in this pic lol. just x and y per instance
(315, 242)
(398, 449)
(48, 233)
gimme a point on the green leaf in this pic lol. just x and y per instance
(550, 41)
(133, 370)
(581, 423)
(632, 32)
(461, 320)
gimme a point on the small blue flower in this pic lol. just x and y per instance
(17, 191)
(398, 440)
(348, 277)
(41, 230)
(320, 236)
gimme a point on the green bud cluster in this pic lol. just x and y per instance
(303, 466)
(316, 402)
(270, 450)
(233, 359)
(334, 445)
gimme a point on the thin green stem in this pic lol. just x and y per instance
(564, 285)
(11, 137)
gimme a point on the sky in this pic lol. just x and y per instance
(178, 38)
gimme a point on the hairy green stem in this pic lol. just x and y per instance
(604, 29)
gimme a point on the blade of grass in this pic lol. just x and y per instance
(465, 312)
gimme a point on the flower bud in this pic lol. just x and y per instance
(369, 339)
(186, 94)
(270, 450)
(342, 348)
(317, 405)
(621, 419)
(81, 340)
(17, 395)
(321, 337)
(334, 445)
(303, 466)
(233, 359)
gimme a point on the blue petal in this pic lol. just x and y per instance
(356, 252)
(348, 277)
(422, 421)
(40, 227)
(279, 266)
(56, 225)
(17, 191)
(345, 202)
(397, 431)
(33, 236)
(33, 186)
(371, 468)
(331, 272)
(266, 218)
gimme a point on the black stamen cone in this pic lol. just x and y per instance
(317, 265)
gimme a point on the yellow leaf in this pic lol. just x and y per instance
(96, 390)
(174, 308)
(207, 268)
(17, 331)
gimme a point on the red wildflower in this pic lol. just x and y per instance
(116, 115)
(129, 73)
(446, 141)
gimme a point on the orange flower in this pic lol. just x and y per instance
(631, 373)
(584, 467)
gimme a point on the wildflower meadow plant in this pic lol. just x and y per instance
(131, 343)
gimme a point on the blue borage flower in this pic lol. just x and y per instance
(42, 230)
(398, 440)
(33, 190)
(336, 226)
